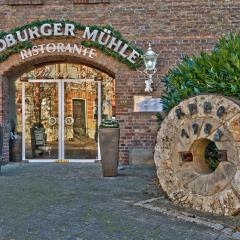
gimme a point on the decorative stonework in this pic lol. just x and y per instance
(180, 154)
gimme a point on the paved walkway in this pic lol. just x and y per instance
(73, 202)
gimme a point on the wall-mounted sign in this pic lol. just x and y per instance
(104, 38)
(147, 104)
(58, 47)
(45, 30)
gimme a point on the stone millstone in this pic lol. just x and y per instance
(180, 154)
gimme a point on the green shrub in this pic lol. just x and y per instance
(216, 72)
(109, 123)
(212, 156)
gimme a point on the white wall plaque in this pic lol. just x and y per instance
(147, 104)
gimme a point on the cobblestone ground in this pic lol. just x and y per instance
(73, 202)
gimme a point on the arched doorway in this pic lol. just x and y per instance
(57, 109)
(98, 47)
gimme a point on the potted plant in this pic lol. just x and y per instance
(109, 140)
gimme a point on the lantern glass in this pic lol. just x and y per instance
(150, 59)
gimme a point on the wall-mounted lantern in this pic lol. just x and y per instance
(150, 61)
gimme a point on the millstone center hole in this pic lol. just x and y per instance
(206, 155)
(212, 155)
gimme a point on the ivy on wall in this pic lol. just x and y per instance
(16, 49)
(28, 44)
(215, 72)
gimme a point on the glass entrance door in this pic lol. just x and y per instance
(40, 125)
(60, 119)
(81, 119)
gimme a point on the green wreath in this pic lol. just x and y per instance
(28, 44)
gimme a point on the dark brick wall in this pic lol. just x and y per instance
(174, 28)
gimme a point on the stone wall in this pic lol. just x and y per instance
(174, 28)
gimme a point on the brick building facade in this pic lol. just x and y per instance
(174, 28)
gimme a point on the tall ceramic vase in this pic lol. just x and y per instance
(109, 147)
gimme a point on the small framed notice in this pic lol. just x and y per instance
(147, 104)
(39, 137)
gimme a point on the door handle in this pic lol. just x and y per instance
(52, 121)
(69, 121)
